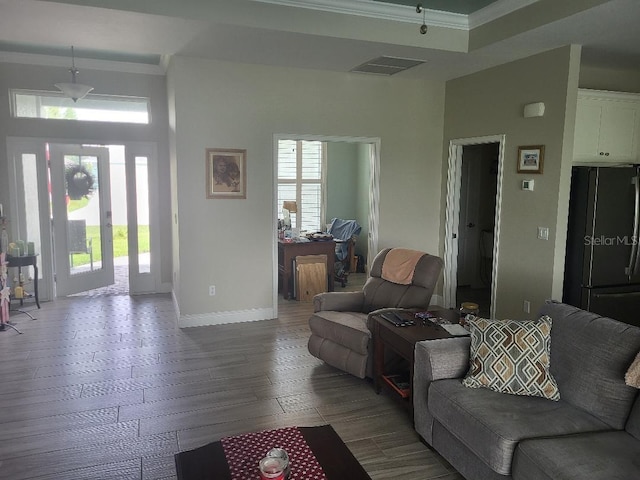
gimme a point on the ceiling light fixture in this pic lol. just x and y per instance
(74, 90)
(423, 27)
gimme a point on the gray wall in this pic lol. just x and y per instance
(230, 105)
(491, 102)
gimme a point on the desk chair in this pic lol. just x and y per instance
(344, 233)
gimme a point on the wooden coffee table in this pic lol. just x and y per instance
(402, 341)
(337, 461)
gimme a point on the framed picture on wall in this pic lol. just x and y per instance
(530, 159)
(226, 173)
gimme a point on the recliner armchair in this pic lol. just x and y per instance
(341, 325)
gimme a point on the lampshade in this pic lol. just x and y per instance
(73, 90)
(292, 207)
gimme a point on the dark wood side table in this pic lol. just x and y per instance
(287, 251)
(26, 261)
(402, 341)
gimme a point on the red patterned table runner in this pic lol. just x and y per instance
(243, 453)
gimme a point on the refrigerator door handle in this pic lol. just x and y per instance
(633, 259)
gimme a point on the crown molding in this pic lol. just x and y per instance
(379, 10)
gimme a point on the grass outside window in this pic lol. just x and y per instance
(120, 243)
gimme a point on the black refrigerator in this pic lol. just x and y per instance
(602, 267)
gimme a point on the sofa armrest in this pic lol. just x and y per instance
(339, 301)
(435, 360)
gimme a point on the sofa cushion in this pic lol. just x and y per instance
(511, 356)
(594, 456)
(633, 423)
(589, 357)
(491, 424)
(348, 329)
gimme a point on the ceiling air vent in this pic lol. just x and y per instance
(387, 65)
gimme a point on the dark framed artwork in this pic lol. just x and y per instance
(226, 173)
(530, 159)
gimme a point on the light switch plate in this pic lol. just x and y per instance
(543, 233)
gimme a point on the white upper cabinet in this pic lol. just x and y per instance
(607, 127)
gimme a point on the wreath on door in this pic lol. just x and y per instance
(79, 182)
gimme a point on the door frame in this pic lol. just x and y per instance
(150, 282)
(374, 195)
(452, 217)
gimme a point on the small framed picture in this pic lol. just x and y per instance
(226, 173)
(530, 159)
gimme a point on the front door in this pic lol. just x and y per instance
(82, 219)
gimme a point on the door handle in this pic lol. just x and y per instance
(471, 224)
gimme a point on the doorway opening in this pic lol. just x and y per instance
(473, 222)
(477, 224)
(87, 209)
(347, 189)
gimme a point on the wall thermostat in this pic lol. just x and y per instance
(527, 185)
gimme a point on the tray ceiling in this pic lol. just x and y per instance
(464, 7)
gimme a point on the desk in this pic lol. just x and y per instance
(287, 251)
(26, 261)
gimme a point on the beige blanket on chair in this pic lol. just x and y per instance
(400, 264)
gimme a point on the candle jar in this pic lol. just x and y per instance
(281, 453)
(468, 310)
(271, 468)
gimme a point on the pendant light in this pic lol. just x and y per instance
(74, 90)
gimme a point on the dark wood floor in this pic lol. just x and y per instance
(108, 387)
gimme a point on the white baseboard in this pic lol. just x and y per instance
(221, 318)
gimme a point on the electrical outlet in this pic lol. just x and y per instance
(212, 290)
(526, 306)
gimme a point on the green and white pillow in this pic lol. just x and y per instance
(512, 356)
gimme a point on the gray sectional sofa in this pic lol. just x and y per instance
(592, 432)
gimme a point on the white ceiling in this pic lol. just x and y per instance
(332, 35)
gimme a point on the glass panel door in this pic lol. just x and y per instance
(82, 218)
(140, 172)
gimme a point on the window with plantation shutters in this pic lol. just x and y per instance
(301, 166)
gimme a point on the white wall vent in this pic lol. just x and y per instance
(387, 65)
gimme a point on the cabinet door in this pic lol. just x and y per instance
(587, 135)
(618, 131)
(607, 129)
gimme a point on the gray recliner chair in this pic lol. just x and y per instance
(341, 325)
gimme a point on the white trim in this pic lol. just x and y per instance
(86, 63)
(380, 10)
(608, 95)
(221, 318)
(452, 215)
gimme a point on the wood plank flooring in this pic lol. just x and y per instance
(108, 387)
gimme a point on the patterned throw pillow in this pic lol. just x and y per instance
(632, 377)
(511, 356)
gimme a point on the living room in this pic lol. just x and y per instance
(221, 103)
